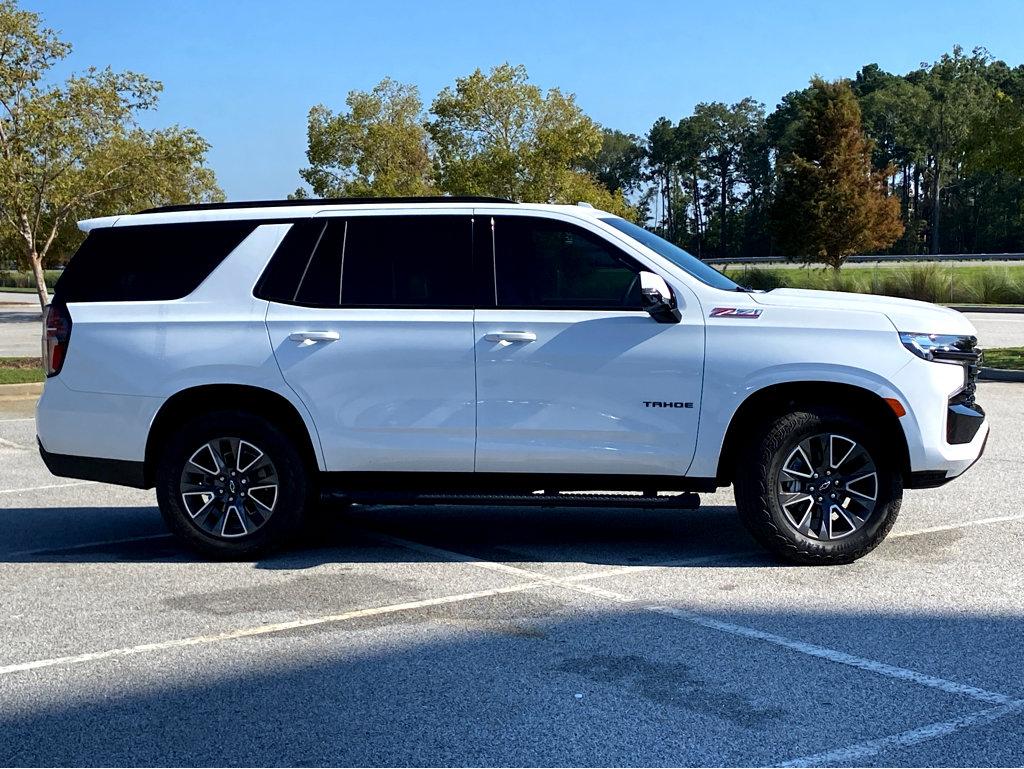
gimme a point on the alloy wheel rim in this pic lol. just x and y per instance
(828, 487)
(229, 487)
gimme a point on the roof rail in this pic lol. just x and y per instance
(321, 202)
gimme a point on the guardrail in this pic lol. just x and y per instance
(755, 260)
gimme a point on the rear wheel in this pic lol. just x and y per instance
(232, 485)
(818, 487)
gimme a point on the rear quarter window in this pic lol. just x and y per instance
(151, 262)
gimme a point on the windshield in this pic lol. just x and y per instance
(691, 264)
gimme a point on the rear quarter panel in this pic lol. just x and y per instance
(152, 350)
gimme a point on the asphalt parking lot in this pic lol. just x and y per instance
(523, 636)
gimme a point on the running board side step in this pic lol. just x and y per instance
(683, 501)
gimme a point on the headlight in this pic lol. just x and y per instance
(947, 348)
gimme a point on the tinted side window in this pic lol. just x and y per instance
(408, 261)
(151, 262)
(375, 261)
(543, 263)
(280, 280)
(320, 277)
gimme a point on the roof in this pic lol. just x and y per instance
(290, 210)
(322, 202)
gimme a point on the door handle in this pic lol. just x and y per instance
(306, 338)
(507, 337)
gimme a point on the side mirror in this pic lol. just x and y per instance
(656, 298)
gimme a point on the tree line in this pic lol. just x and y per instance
(942, 146)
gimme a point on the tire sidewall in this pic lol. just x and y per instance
(293, 479)
(764, 515)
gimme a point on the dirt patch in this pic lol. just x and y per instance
(310, 595)
(671, 684)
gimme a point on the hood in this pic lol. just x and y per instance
(905, 314)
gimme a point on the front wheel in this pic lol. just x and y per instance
(231, 485)
(817, 487)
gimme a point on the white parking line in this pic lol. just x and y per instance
(811, 650)
(538, 582)
(1007, 706)
(451, 555)
(575, 582)
(869, 748)
(85, 545)
(47, 486)
(963, 525)
(832, 655)
(20, 419)
(278, 627)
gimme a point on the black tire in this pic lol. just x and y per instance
(292, 496)
(758, 488)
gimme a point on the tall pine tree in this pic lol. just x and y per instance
(830, 202)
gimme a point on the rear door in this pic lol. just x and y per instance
(371, 322)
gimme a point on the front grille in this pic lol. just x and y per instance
(967, 353)
(964, 417)
(973, 369)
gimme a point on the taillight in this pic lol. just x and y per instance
(56, 337)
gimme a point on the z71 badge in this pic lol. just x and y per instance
(735, 312)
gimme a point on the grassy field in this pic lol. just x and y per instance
(21, 370)
(1005, 358)
(968, 284)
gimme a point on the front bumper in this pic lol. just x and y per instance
(931, 479)
(944, 428)
(963, 421)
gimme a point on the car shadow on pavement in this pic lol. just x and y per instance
(543, 678)
(609, 536)
(17, 316)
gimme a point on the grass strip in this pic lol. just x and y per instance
(1011, 358)
(21, 370)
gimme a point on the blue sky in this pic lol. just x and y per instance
(244, 74)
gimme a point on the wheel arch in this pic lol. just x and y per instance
(772, 401)
(268, 404)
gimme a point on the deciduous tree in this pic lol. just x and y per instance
(73, 149)
(830, 202)
(499, 134)
(377, 147)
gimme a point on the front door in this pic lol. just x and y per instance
(376, 338)
(572, 376)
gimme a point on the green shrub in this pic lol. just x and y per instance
(758, 278)
(929, 283)
(973, 284)
(996, 287)
(25, 279)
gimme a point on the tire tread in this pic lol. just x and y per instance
(755, 492)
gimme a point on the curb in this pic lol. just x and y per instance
(1001, 375)
(19, 391)
(1015, 308)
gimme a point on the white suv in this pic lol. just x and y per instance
(253, 360)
